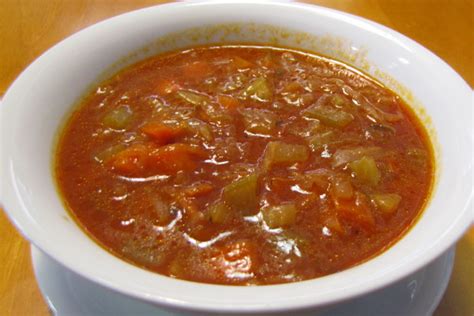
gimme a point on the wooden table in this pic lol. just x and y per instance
(29, 27)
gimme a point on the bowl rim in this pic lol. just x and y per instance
(430, 254)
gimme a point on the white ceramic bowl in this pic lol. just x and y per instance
(37, 102)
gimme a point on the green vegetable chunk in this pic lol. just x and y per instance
(339, 101)
(118, 118)
(365, 170)
(329, 116)
(200, 128)
(317, 141)
(218, 213)
(259, 89)
(342, 187)
(280, 216)
(343, 156)
(386, 203)
(241, 195)
(278, 152)
(259, 121)
(192, 97)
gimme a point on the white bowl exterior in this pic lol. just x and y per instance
(38, 101)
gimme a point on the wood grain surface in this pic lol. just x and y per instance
(29, 27)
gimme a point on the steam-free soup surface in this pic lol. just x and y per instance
(243, 165)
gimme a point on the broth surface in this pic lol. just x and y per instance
(244, 165)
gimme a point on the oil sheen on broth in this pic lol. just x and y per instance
(243, 165)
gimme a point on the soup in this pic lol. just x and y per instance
(244, 165)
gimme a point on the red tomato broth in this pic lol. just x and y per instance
(145, 162)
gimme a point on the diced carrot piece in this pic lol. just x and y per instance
(197, 70)
(132, 160)
(162, 134)
(143, 160)
(198, 189)
(172, 158)
(228, 102)
(166, 86)
(187, 149)
(356, 212)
